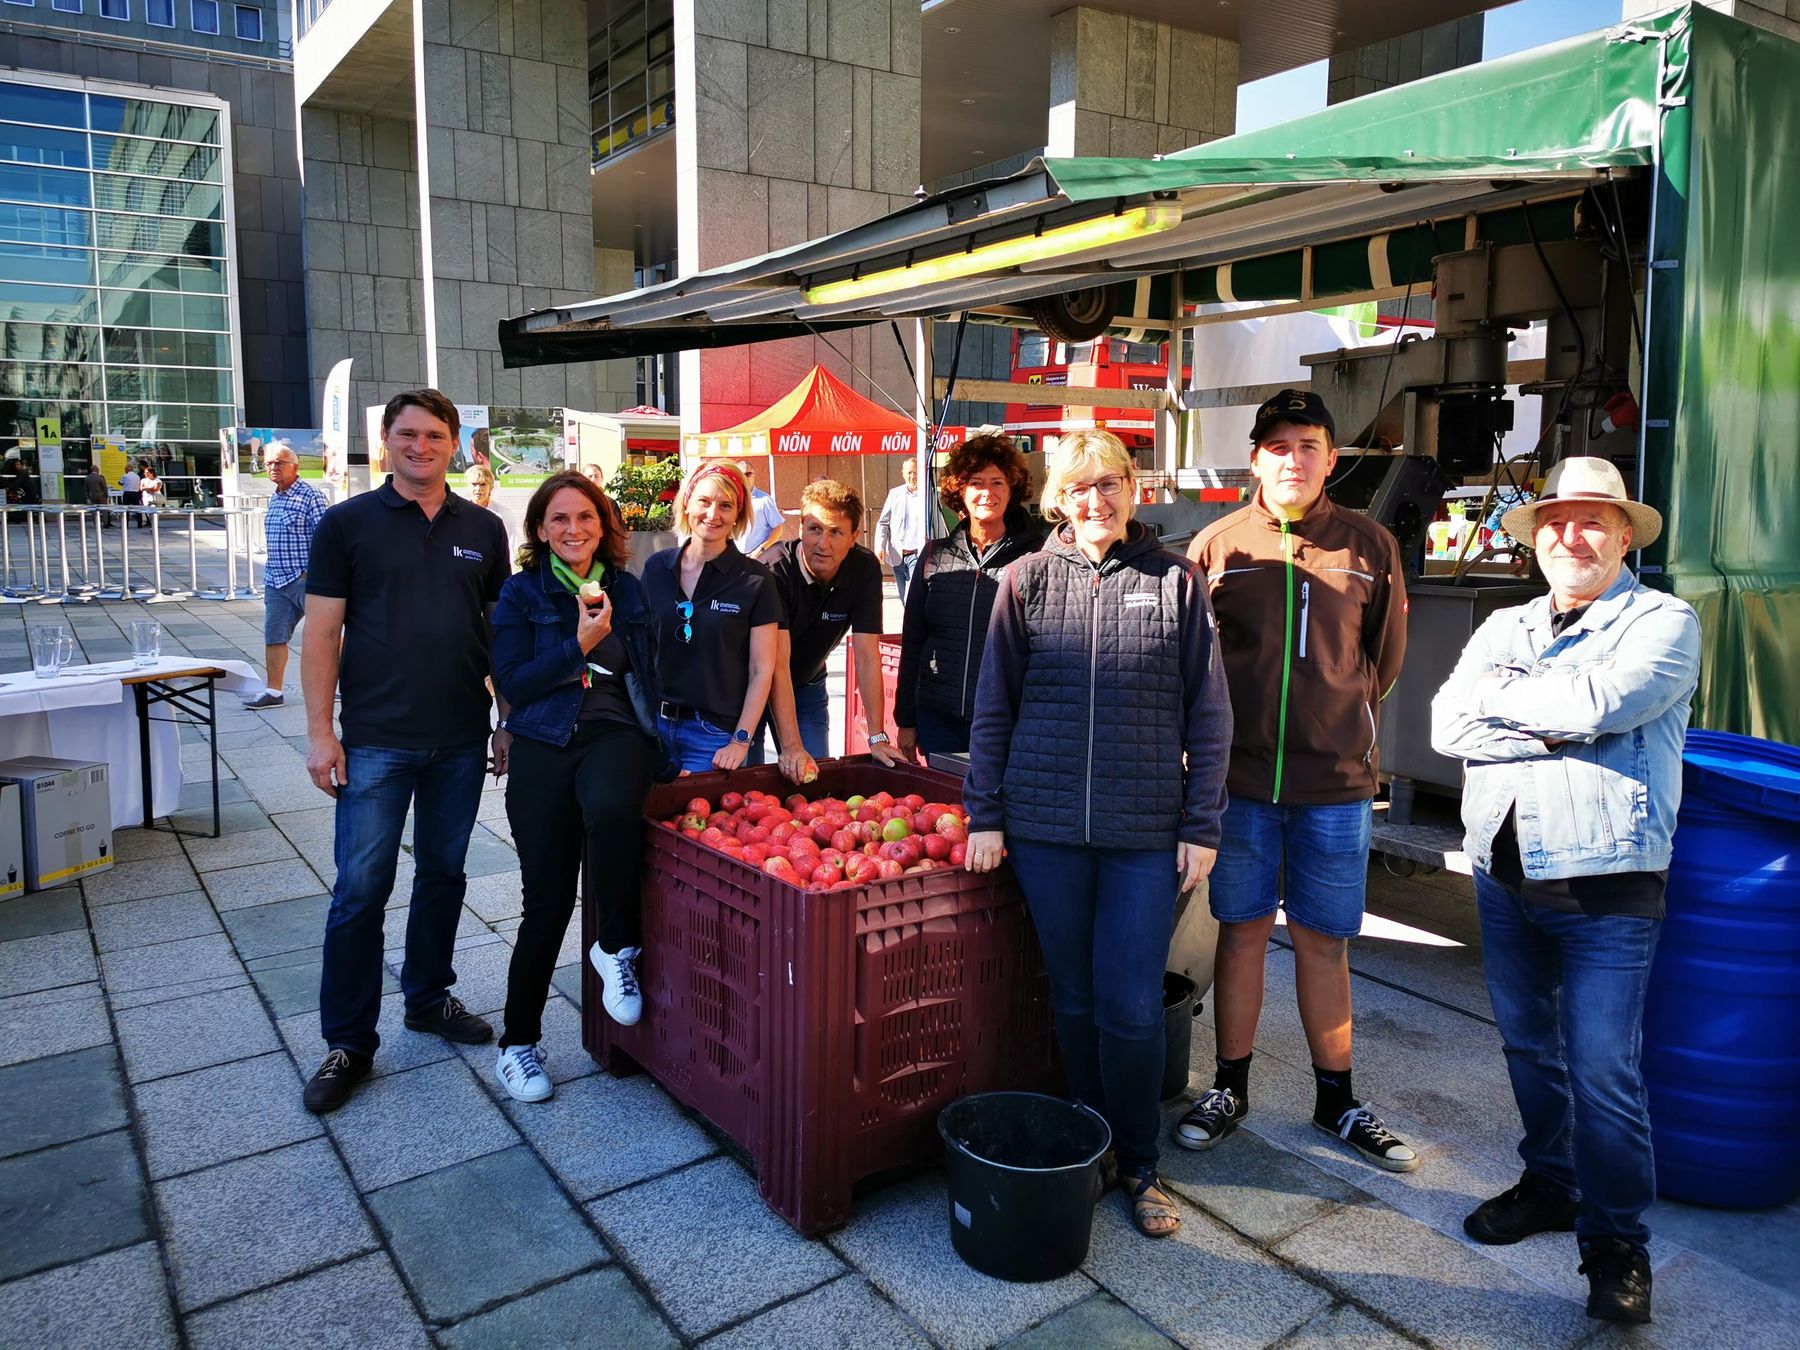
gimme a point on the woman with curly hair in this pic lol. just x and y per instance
(573, 658)
(987, 483)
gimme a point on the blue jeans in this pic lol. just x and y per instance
(812, 710)
(693, 741)
(1104, 917)
(1312, 861)
(1568, 994)
(443, 787)
(903, 574)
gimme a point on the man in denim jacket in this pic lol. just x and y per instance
(1570, 713)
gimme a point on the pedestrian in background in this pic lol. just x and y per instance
(95, 491)
(1097, 764)
(130, 493)
(295, 510)
(715, 614)
(1312, 627)
(1570, 713)
(900, 529)
(766, 524)
(951, 594)
(573, 659)
(399, 593)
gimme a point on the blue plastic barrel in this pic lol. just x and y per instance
(1722, 1021)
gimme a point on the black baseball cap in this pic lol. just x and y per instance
(1293, 405)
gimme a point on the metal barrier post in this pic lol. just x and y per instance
(250, 550)
(87, 558)
(62, 547)
(156, 547)
(230, 557)
(125, 557)
(193, 553)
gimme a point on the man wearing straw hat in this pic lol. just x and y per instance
(1570, 713)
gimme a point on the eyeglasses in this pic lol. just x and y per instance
(685, 608)
(1107, 487)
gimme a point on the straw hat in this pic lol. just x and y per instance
(1586, 478)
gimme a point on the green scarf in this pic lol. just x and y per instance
(573, 582)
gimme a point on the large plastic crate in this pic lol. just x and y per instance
(823, 1031)
(856, 730)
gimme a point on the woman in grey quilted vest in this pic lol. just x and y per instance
(1098, 748)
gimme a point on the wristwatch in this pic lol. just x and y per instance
(879, 738)
(741, 736)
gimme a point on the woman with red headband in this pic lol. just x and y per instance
(715, 614)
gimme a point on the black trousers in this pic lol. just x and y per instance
(560, 799)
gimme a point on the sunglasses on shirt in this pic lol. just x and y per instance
(685, 608)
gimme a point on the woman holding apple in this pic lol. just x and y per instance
(1097, 765)
(716, 616)
(985, 481)
(573, 662)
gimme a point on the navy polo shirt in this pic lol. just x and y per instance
(416, 591)
(820, 613)
(708, 670)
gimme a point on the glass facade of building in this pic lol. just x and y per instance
(116, 290)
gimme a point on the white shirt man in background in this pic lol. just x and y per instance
(900, 530)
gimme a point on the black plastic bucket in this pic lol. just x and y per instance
(1181, 1005)
(1024, 1170)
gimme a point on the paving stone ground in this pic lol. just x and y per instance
(161, 1186)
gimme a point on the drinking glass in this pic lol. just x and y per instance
(146, 642)
(52, 646)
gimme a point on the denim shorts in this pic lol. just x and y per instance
(1311, 860)
(283, 608)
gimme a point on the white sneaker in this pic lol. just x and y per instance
(520, 1070)
(619, 984)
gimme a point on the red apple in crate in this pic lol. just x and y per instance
(889, 869)
(937, 847)
(756, 854)
(859, 868)
(844, 840)
(847, 886)
(731, 801)
(953, 829)
(834, 856)
(782, 870)
(823, 831)
(712, 836)
(699, 806)
(913, 801)
(827, 875)
(957, 853)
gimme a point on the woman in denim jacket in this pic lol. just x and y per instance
(573, 659)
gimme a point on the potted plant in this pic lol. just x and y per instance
(645, 494)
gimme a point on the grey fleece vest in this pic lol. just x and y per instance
(1096, 754)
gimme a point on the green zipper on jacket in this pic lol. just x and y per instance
(1287, 657)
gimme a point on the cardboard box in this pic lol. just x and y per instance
(12, 843)
(66, 818)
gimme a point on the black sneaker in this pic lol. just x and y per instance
(335, 1079)
(1618, 1279)
(453, 1022)
(1536, 1205)
(1362, 1129)
(1215, 1114)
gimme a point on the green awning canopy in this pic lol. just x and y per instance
(1371, 188)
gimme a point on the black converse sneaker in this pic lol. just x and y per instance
(1215, 1114)
(1362, 1129)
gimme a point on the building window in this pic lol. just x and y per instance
(115, 9)
(66, 6)
(25, 3)
(205, 16)
(249, 23)
(159, 13)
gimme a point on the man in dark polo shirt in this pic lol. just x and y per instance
(830, 585)
(401, 584)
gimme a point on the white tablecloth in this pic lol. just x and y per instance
(87, 713)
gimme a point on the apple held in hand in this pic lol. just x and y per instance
(591, 593)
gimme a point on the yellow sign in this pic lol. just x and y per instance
(49, 429)
(110, 451)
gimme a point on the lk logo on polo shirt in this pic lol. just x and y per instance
(466, 554)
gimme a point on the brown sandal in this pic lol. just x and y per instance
(1151, 1206)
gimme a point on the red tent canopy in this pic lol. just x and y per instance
(820, 416)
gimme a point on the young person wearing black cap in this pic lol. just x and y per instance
(1312, 628)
